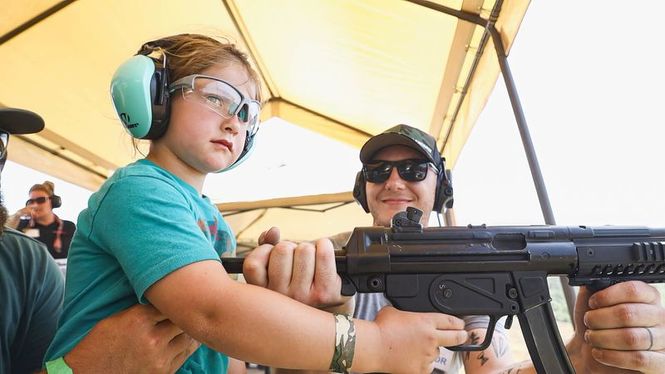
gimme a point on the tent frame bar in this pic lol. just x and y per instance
(489, 26)
(529, 150)
(35, 20)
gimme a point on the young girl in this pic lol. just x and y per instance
(150, 236)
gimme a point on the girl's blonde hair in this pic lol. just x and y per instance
(188, 54)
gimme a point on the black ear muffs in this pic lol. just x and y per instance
(56, 201)
(140, 92)
(444, 191)
(359, 191)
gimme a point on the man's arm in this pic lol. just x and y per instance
(495, 358)
(137, 340)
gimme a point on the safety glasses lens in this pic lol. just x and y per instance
(219, 96)
(243, 113)
(225, 100)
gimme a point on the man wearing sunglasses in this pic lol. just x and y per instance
(619, 328)
(31, 294)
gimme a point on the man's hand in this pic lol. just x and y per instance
(137, 340)
(620, 329)
(305, 271)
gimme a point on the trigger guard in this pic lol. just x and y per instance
(478, 347)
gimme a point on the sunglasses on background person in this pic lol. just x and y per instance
(411, 170)
(38, 200)
(221, 97)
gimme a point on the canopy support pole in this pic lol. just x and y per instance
(529, 150)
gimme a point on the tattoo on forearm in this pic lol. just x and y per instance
(500, 348)
(482, 358)
(475, 339)
(516, 369)
(511, 371)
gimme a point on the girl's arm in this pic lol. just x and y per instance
(232, 317)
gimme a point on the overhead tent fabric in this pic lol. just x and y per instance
(344, 69)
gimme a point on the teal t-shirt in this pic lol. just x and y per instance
(142, 224)
(31, 288)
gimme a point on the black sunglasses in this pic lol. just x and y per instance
(4, 140)
(411, 170)
(38, 200)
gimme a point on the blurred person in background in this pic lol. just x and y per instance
(37, 220)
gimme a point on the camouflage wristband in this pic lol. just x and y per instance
(345, 344)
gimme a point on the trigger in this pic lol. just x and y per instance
(509, 322)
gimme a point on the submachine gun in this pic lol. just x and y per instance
(495, 271)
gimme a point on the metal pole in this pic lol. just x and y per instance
(536, 174)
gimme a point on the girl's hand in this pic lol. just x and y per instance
(412, 340)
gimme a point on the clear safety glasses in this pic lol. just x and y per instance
(221, 97)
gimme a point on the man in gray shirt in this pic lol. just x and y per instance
(620, 328)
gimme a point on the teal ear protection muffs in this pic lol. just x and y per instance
(443, 194)
(139, 89)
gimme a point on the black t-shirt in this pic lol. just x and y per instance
(47, 235)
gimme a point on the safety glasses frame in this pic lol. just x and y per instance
(189, 83)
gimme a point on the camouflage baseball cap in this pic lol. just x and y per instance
(402, 135)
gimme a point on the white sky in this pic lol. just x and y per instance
(590, 81)
(590, 77)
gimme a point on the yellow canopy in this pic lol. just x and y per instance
(345, 69)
